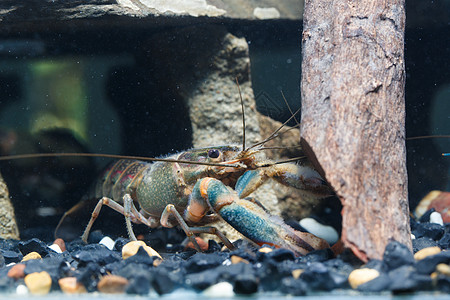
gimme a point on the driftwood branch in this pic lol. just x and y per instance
(353, 114)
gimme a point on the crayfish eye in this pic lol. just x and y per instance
(213, 153)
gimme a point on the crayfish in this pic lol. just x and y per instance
(197, 187)
(201, 185)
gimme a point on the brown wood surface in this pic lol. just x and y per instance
(353, 114)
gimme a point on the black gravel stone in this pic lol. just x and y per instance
(405, 279)
(132, 270)
(317, 256)
(96, 253)
(162, 282)
(246, 284)
(413, 223)
(231, 273)
(444, 242)
(339, 272)
(378, 284)
(286, 267)
(119, 243)
(431, 230)
(141, 257)
(157, 239)
(95, 237)
(34, 245)
(9, 244)
(396, 255)
(7, 284)
(242, 275)
(447, 227)
(52, 265)
(277, 255)
(11, 256)
(425, 218)
(246, 254)
(429, 263)
(294, 287)
(202, 280)
(269, 276)
(139, 285)
(443, 283)
(376, 264)
(202, 261)
(172, 263)
(318, 277)
(423, 242)
(75, 245)
(89, 276)
(213, 246)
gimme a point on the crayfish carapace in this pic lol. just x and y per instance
(194, 188)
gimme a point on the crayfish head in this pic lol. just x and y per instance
(226, 160)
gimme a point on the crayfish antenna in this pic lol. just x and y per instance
(275, 133)
(243, 115)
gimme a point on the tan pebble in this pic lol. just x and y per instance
(31, 255)
(132, 248)
(265, 250)
(443, 269)
(434, 275)
(157, 262)
(112, 284)
(201, 243)
(360, 276)
(296, 273)
(421, 254)
(17, 271)
(38, 283)
(70, 285)
(237, 259)
(61, 244)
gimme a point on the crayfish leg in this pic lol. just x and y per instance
(216, 232)
(129, 211)
(170, 210)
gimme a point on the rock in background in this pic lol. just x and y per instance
(8, 225)
(207, 84)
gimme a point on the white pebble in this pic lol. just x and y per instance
(21, 289)
(221, 289)
(325, 232)
(55, 248)
(436, 217)
(107, 242)
(413, 237)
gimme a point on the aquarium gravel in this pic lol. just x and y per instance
(32, 266)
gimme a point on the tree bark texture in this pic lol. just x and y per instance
(353, 113)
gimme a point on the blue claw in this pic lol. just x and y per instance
(251, 220)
